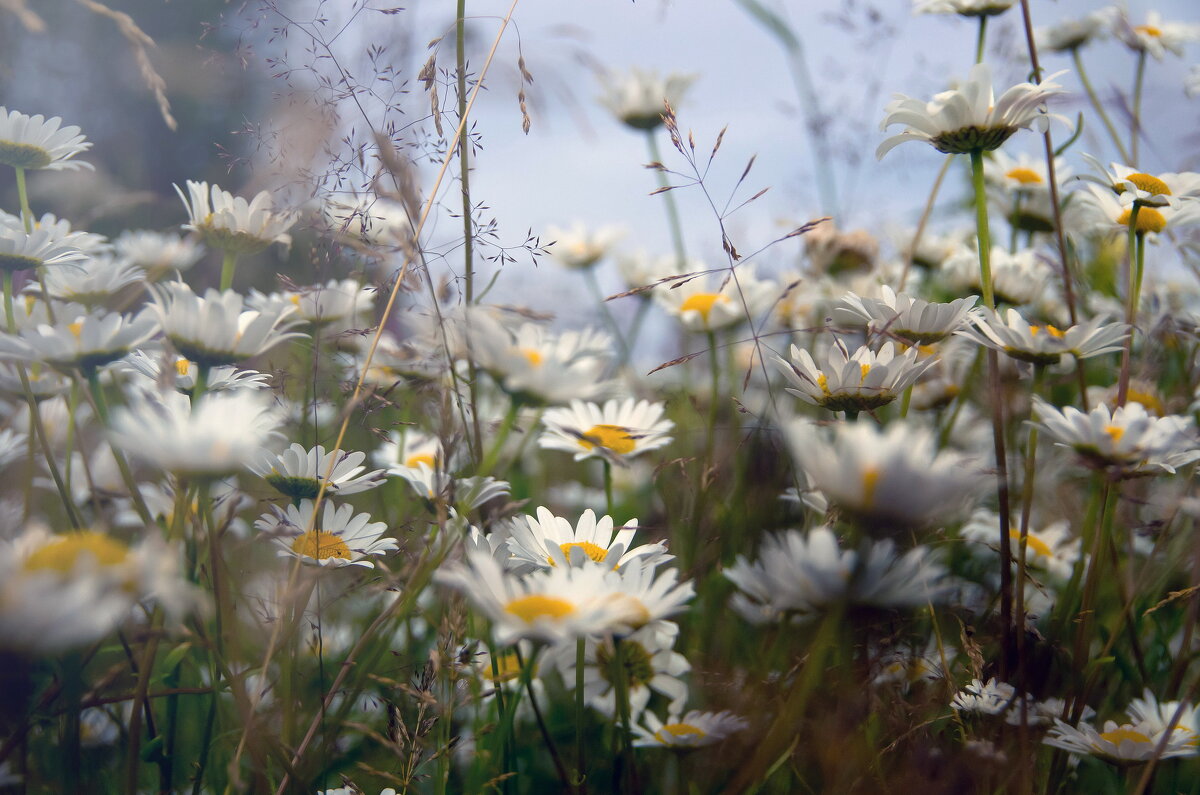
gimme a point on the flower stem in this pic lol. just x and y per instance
(493, 455)
(672, 208)
(1098, 105)
(981, 39)
(580, 715)
(23, 198)
(1136, 254)
(228, 266)
(608, 486)
(1135, 119)
(464, 154)
(982, 233)
(135, 493)
(621, 683)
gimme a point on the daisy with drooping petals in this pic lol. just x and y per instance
(547, 540)
(862, 381)
(693, 730)
(338, 538)
(965, 8)
(34, 142)
(648, 660)
(1044, 344)
(984, 698)
(21, 250)
(915, 320)
(232, 224)
(969, 118)
(298, 472)
(619, 429)
(86, 341)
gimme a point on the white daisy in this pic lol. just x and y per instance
(969, 118)
(179, 372)
(1121, 744)
(984, 698)
(214, 329)
(832, 251)
(297, 472)
(1099, 209)
(1044, 344)
(1148, 190)
(577, 247)
(714, 300)
(1052, 549)
(693, 730)
(649, 662)
(1071, 34)
(649, 594)
(158, 253)
(542, 366)
(81, 339)
(338, 538)
(915, 320)
(1156, 37)
(639, 98)
(547, 540)
(1157, 715)
(40, 248)
(1020, 188)
(92, 281)
(231, 223)
(417, 457)
(36, 142)
(966, 8)
(343, 302)
(862, 381)
(616, 431)
(1018, 277)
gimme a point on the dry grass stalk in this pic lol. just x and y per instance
(32, 22)
(139, 42)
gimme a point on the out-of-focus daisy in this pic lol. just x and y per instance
(417, 457)
(214, 329)
(969, 118)
(862, 381)
(1051, 548)
(832, 251)
(577, 247)
(984, 698)
(693, 730)
(801, 574)
(179, 372)
(20, 250)
(1099, 209)
(1044, 344)
(553, 605)
(542, 366)
(715, 300)
(1071, 34)
(905, 666)
(1020, 188)
(648, 593)
(1121, 744)
(639, 97)
(1158, 715)
(217, 435)
(1156, 37)
(43, 382)
(1148, 190)
(13, 445)
(915, 320)
(298, 472)
(339, 537)
(92, 281)
(548, 540)
(888, 479)
(966, 8)
(1018, 277)
(232, 224)
(86, 341)
(649, 662)
(158, 253)
(1128, 441)
(33, 142)
(373, 221)
(343, 302)
(617, 430)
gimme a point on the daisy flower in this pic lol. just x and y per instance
(85, 341)
(20, 250)
(298, 472)
(889, 479)
(34, 142)
(1018, 277)
(834, 252)
(1052, 548)
(984, 698)
(547, 540)
(158, 253)
(214, 329)
(649, 663)
(216, 435)
(1156, 37)
(693, 730)
(339, 538)
(1121, 744)
(1044, 344)
(180, 373)
(639, 97)
(1148, 190)
(1099, 208)
(969, 118)
(343, 301)
(862, 381)
(92, 281)
(1128, 440)
(1020, 188)
(617, 430)
(1071, 34)
(232, 224)
(417, 457)
(966, 8)
(542, 366)
(1157, 716)
(915, 320)
(713, 301)
(647, 594)
(553, 605)
(577, 248)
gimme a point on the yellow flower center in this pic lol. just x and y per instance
(415, 461)
(1032, 542)
(823, 382)
(870, 481)
(508, 668)
(1051, 330)
(672, 731)
(321, 545)
(1115, 432)
(62, 554)
(76, 328)
(1148, 220)
(866, 368)
(702, 303)
(1149, 30)
(594, 551)
(1148, 400)
(295, 298)
(1149, 183)
(534, 606)
(1117, 735)
(1025, 176)
(181, 366)
(610, 437)
(534, 357)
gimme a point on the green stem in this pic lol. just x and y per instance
(527, 683)
(1095, 557)
(228, 266)
(135, 493)
(672, 209)
(464, 154)
(981, 228)
(493, 455)
(635, 328)
(580, 714)
(1135, 120)
(1131, 297)
(621, 685)
(608, 486)
(589, 273)
(23, 198)
(1099, 106)
(981, 39)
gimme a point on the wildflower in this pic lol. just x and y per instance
(969, 118)
(1155, 37)
(693, 730)
(158, 253)
(231, 223)
(618, 430)
(85, 340)
(639, 97)
(801, 574)
(907, 665)
(863, 381)
(966, 8)
(34, 142)
(1157, 716)
(1128, 441)
(1071, 34)
(549, 540)
(707, 302)
(214, 330)
(647, 594)
(298, 472)
(831, 251)
(1044, 344)
(649, 663)
(542, 366)
(990, 698)
(338, 538)
(180, 373)
(1018, 277)
(914, 320)
(417, 457)
(1099, 208)
(1122, 744)
(889, 479)
(578, 248)
(1020, 188)
(92, 281)
(1052, 548)
(343, 301)
(21, 250)
(1147, 190)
